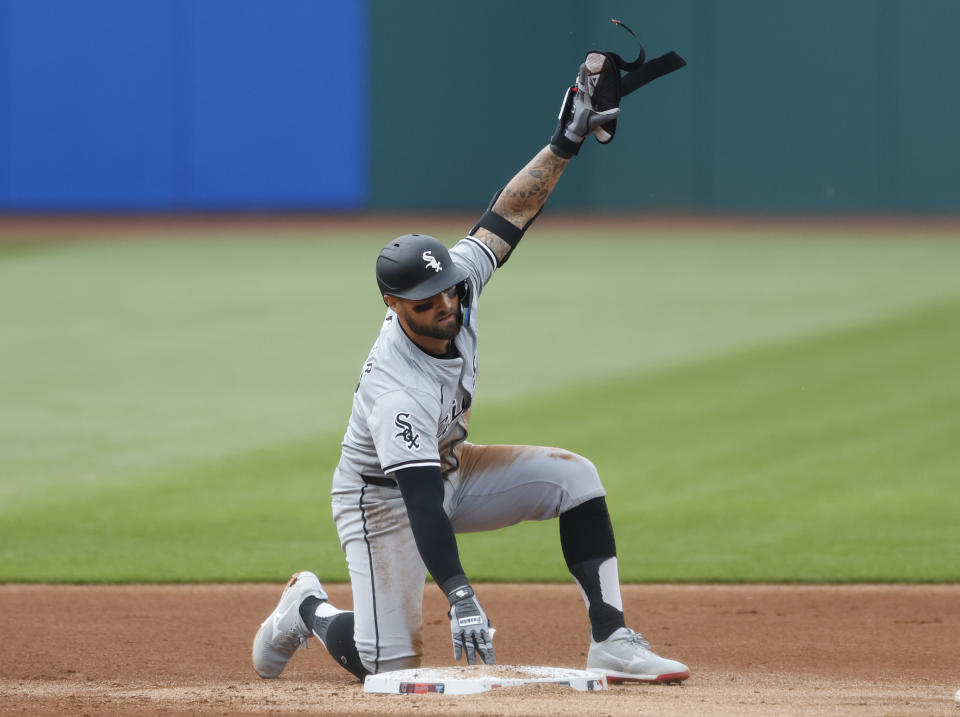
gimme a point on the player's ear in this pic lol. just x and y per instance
(390, 301)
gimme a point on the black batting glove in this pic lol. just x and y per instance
(470, 627)
(578, 118)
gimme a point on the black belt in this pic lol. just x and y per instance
(383, 482)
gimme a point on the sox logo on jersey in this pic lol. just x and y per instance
(406, 431)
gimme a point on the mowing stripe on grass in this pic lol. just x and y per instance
(124, 359)
(833, 458)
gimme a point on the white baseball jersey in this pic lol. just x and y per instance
(410, 408)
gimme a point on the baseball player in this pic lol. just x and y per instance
(408, 480)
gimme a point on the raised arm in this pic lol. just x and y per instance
(515, 207)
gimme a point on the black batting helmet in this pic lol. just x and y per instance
(416, 266)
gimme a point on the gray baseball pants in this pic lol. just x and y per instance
(493, 487)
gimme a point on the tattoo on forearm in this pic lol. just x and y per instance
(497, 245)
(527, 192)
(524, 196)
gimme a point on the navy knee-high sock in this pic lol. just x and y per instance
(586, 538)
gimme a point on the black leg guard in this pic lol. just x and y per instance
(336, 633)
(587, 533)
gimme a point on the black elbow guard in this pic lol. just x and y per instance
(506, 230)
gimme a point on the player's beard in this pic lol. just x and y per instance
(435, 331)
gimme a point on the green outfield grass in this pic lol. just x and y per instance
(773, 408)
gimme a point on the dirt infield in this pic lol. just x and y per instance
(752, 650)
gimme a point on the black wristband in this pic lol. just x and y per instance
(456, 588)
(563, 147)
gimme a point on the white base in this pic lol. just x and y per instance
(471, 679)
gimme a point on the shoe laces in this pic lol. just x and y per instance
(638, 639)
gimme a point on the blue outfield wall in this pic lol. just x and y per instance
(176, 104)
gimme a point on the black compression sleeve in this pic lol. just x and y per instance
(422, 491)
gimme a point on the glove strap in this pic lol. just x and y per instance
(640, 72)
(649, 71)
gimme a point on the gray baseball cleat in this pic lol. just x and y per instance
(625, 655)
(284, 632)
